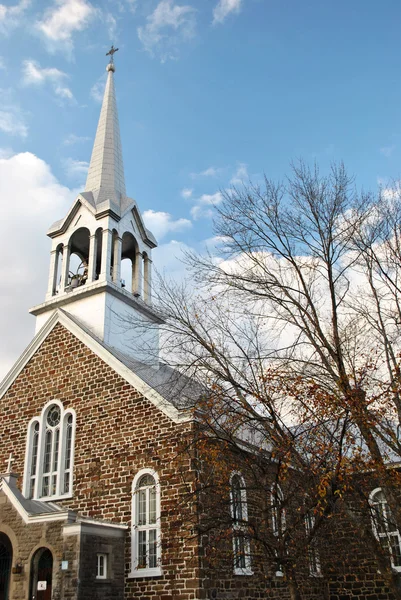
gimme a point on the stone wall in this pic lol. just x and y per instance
(26, 540)
(118, 432)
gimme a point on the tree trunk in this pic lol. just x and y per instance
(293, 588)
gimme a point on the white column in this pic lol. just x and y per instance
(137, 275)
(107, 240)
(117, 259)
(147, 279)
(92, 258)
(66, 268)
(51, 288)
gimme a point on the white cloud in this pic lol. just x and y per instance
(132, 4)
(6, 152)
(389, 189)
(2, 63)
(64, 92)
(63, 19)
(224, 8)
(211, 199)
(12, 123)
(186, 193)
(160, 223)
(111, 26)
(76, 169)
(168, 258)
(198, 212)
(167, 27)
(240, 175)
(387, 151)
(202, 208)
(72, 139)
(34, 74)
(97, 90)
(10, 16)
(12, 119)
(38, 199)
(209, 172)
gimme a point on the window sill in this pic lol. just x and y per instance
(157, 572)
(53, 498)
(243, 571)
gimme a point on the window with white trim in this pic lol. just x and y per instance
(49, 453)
(277, 510)
(101, 566)
(278, 519)
(313, 552)
(146, 538)
(385, 528)
(239, 515)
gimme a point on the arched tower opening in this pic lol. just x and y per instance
(131, 265)
(58, 269)
(95, 255)
(79, 246)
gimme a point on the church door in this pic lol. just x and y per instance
(41, 575)
(6, 555)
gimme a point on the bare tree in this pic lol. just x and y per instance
(294, 331)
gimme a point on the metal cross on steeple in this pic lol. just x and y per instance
(111, 53)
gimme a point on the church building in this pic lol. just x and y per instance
(94, 430)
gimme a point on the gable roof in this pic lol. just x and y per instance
(170, 391)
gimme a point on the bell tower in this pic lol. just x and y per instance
(102, 235)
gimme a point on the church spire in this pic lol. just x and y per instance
(106, 170)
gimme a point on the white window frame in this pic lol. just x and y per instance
(313, 552)
(59, 473)
(387, 535)
(154, 571)
(240, 528)
(276, 493)
(105, 566)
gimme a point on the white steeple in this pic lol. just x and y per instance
(100, 242)
(106, 170)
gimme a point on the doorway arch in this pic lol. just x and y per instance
(6, 557)
(41, 575)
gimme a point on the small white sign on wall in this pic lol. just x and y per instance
(42, 585)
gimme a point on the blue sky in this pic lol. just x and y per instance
(209, 92)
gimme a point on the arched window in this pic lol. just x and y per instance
(277, 510)
(384, 527)
(313, 552)
(49, 454)
(146, 541)
(239, 515)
